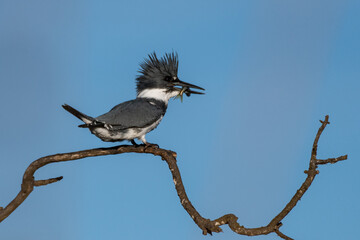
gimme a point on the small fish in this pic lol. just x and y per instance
(182, 91)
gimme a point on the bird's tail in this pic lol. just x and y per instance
(85, 118)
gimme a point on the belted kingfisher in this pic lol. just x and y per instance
(157, 83)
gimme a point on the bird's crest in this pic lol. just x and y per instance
(153, 70)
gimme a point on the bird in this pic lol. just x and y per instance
(156, 84)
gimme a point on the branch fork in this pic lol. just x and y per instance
(206, 225)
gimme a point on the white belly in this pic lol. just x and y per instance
(109, 135)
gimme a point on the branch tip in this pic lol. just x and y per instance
(283, 236)
(38, 183)
(331, 160)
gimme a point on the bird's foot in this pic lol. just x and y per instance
(134, 143)
(151, 145)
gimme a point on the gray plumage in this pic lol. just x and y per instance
(137, 113)
(134, 119)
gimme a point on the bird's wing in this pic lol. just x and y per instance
(135, 113)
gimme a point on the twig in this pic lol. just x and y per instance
(207, 225)
(331, 160)
(280, 234)
(47, 181)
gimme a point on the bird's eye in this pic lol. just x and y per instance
(168, 78)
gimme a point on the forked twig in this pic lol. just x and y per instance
(207, 225)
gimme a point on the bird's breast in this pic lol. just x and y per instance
(113, 135)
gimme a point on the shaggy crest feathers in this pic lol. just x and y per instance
(154, 70)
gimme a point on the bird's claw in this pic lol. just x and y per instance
(151, 145)
(134, 143)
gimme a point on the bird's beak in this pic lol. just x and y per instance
(186, 87)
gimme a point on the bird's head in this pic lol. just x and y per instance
(159, 77)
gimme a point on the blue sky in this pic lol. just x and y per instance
(271, 70)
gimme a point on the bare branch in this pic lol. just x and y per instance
(47, 181)
(29, 183)
(207, 225)
(331, 160)
(280, 234)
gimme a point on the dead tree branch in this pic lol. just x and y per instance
(207, 225)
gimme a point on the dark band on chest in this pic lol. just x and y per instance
(160, 104)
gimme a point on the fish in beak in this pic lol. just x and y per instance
(185, 88)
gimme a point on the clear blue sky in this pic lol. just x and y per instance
(271, 70)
